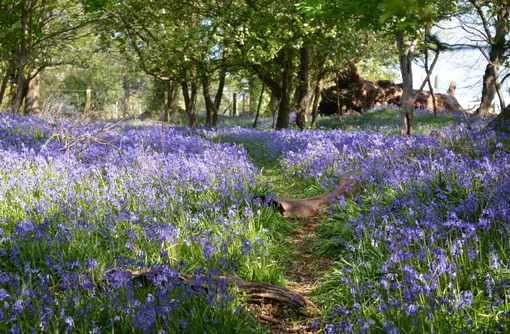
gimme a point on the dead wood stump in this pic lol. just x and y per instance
(348, 185)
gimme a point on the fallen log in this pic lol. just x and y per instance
(348, 185)
(256, 292)
(264, 293)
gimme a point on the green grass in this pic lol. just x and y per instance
(387, 121)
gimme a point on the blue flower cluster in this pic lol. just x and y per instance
(425, 247)
(82, 210)
(428, 248)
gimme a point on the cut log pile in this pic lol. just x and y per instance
(352, 92)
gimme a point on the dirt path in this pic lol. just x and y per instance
(302, 272)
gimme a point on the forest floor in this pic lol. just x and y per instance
(302, 264)
(303, 270)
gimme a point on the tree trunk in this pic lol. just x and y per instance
(498, 46)
(317, 94)
(32, 96)
(211, 111)
(243, 103)
(303, 90)
(22, 58)
(429, 70)
(339, 106)
(502, 103)
(173, 99)
(259, 105)
(272, 107)
(6, 78)
(252, 100)
(282, 121)
(408, 97)
(488, 90)
(88, 101)
(219, 92)
(234, 104)
(190, 101)
(166, 117)
(127, 94)
(170, 101)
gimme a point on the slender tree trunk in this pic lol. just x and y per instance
(234, 104)
(32, 96)
(282, 122)
(6, 78)
(211, 111)
(166, 117)
(219, 92)
(127, 94)
(259, 105)
(244, 103)
(173, 99)
(304, 90)
(317, 94)
(408, 97)
(190, 101)
(22, 58)
(499, 92)
(12, 89)
(252, 100)
(339, 106)
(429, 70)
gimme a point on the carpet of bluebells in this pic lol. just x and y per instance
(79, 216)
(425, 247)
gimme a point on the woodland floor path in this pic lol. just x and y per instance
(303, 269)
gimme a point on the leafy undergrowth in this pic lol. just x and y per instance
(423, 248)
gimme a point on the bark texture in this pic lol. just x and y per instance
(406, 54)
(126, 85)
(303, 88)
(190, 101)
(171, 101)
(5, 80)
(282, 121)
(32, 96)
(317, 94)
(211, 111)
(22, 58)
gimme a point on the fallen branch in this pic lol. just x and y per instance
(264, 293)
(348, 185)
(256, 292)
